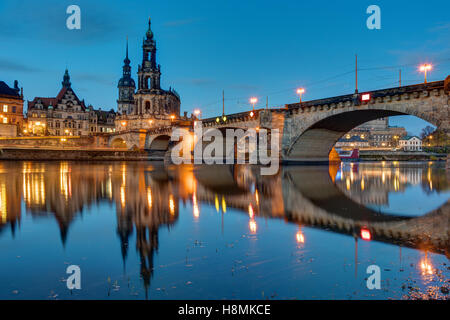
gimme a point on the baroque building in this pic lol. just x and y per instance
(11, 109)
(378, 133)
(66, 115)
(150, 106)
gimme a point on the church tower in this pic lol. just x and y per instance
(125, 103)
(150, 99)
(150, 106)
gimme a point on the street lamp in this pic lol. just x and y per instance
(300, 91)
(197, 113)
(424, 68)
(253, 101)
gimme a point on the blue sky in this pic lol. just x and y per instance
(247, 48)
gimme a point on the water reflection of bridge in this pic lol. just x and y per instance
(147, 197)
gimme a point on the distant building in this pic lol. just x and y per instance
(378, 133)
(410, 143)
(11, 109)
(102, 121)
(66, 115)
(350, 142)
(150, 106)
(378, 124)
(387, 138)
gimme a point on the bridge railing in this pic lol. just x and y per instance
(374, 94)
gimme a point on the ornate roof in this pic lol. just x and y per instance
(5, 90)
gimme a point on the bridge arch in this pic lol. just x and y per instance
(231, 148)
(158, 143)
(318, 128)
(119, 143)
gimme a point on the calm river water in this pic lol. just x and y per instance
(148, 231)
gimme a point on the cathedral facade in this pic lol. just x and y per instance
(150, 106)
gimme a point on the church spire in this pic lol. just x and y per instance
(149, 31)
(66, 79)
(126, 61)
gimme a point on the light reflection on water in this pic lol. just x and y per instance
(143, 230)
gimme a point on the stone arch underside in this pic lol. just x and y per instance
(316, 142)
(230, 147)
(159, 143)
(119, 142)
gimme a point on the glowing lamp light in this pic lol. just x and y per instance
(150, 121)
(217, 119)
(224, 118)
(300, 91)
(197, 112)
(123, 123)
(425, 67)
(252, 226)
(365, 97)
(253, 100)
(252, 114)
(300, 237)
(172, 117)
(426, 267)
(251, 213)
(365, 234)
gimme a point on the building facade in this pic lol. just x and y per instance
(11, 110)
(150, 106)
(66, 115)
(378, 133)
(351, 142)
(410, 143)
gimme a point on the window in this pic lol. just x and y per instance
(14, 109)
(5, 120)
(5, 108)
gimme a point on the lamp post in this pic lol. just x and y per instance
(197, 113)
(253, 101)
(300, 91)
(424, 68)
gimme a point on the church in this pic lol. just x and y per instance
(149, 106)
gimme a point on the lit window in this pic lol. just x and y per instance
(5, 108)
(5, 120)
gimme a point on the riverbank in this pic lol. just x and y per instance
(366, 155)
(77, 154)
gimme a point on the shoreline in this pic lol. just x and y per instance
(103, 154)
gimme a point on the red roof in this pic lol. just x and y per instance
(46, 102)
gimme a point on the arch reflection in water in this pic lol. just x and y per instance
(147, 197)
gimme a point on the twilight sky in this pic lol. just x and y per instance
(247, 48)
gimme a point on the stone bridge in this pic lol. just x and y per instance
(309, 130)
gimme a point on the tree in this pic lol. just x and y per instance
(426, 131)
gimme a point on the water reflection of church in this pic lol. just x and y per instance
(62, 190)
(147, 197)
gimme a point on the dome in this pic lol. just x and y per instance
(127, 82)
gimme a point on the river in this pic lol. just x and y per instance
(143, 230)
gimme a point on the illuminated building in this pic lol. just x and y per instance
(150, 101)
(11, 109)
(66, 115)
